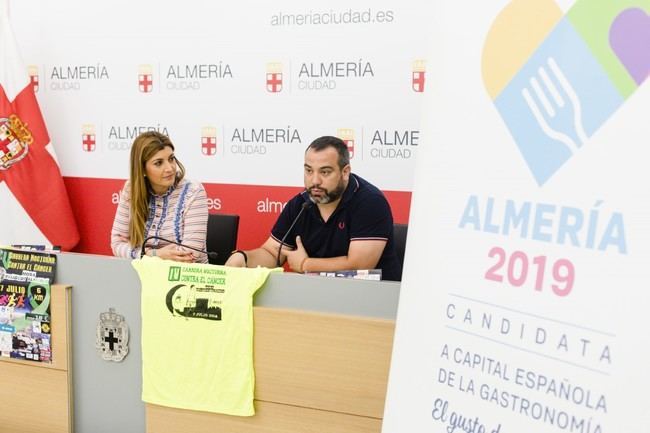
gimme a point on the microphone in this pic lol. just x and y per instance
(305, 205)
(211, 255)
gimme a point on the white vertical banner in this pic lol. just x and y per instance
(525, 288)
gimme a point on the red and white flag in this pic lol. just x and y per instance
(34, 205)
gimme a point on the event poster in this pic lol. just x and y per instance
(525, 295)
(25, 290)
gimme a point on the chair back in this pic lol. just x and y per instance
(399, 239)
(222, 236)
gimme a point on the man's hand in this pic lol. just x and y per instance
(296, 257)
(236, 260)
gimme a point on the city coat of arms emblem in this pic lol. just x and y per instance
(15, 139)
(112, 341)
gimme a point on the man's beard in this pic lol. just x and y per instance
(327, 196)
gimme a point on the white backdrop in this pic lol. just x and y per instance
(206, 66)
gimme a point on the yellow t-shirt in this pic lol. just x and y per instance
(197, 335)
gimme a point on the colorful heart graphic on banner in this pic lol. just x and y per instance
(630, 40)
(557, 79)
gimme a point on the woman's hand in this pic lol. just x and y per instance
(176, 253)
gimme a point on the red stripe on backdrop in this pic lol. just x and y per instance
(94, 202)
(257, 206)
(400, 204)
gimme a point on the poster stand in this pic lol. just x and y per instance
(43, 390)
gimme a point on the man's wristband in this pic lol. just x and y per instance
(243, 254)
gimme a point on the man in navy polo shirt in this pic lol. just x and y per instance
(340, 222)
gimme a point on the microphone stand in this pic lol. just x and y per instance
(305, 205)
(210, 254)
